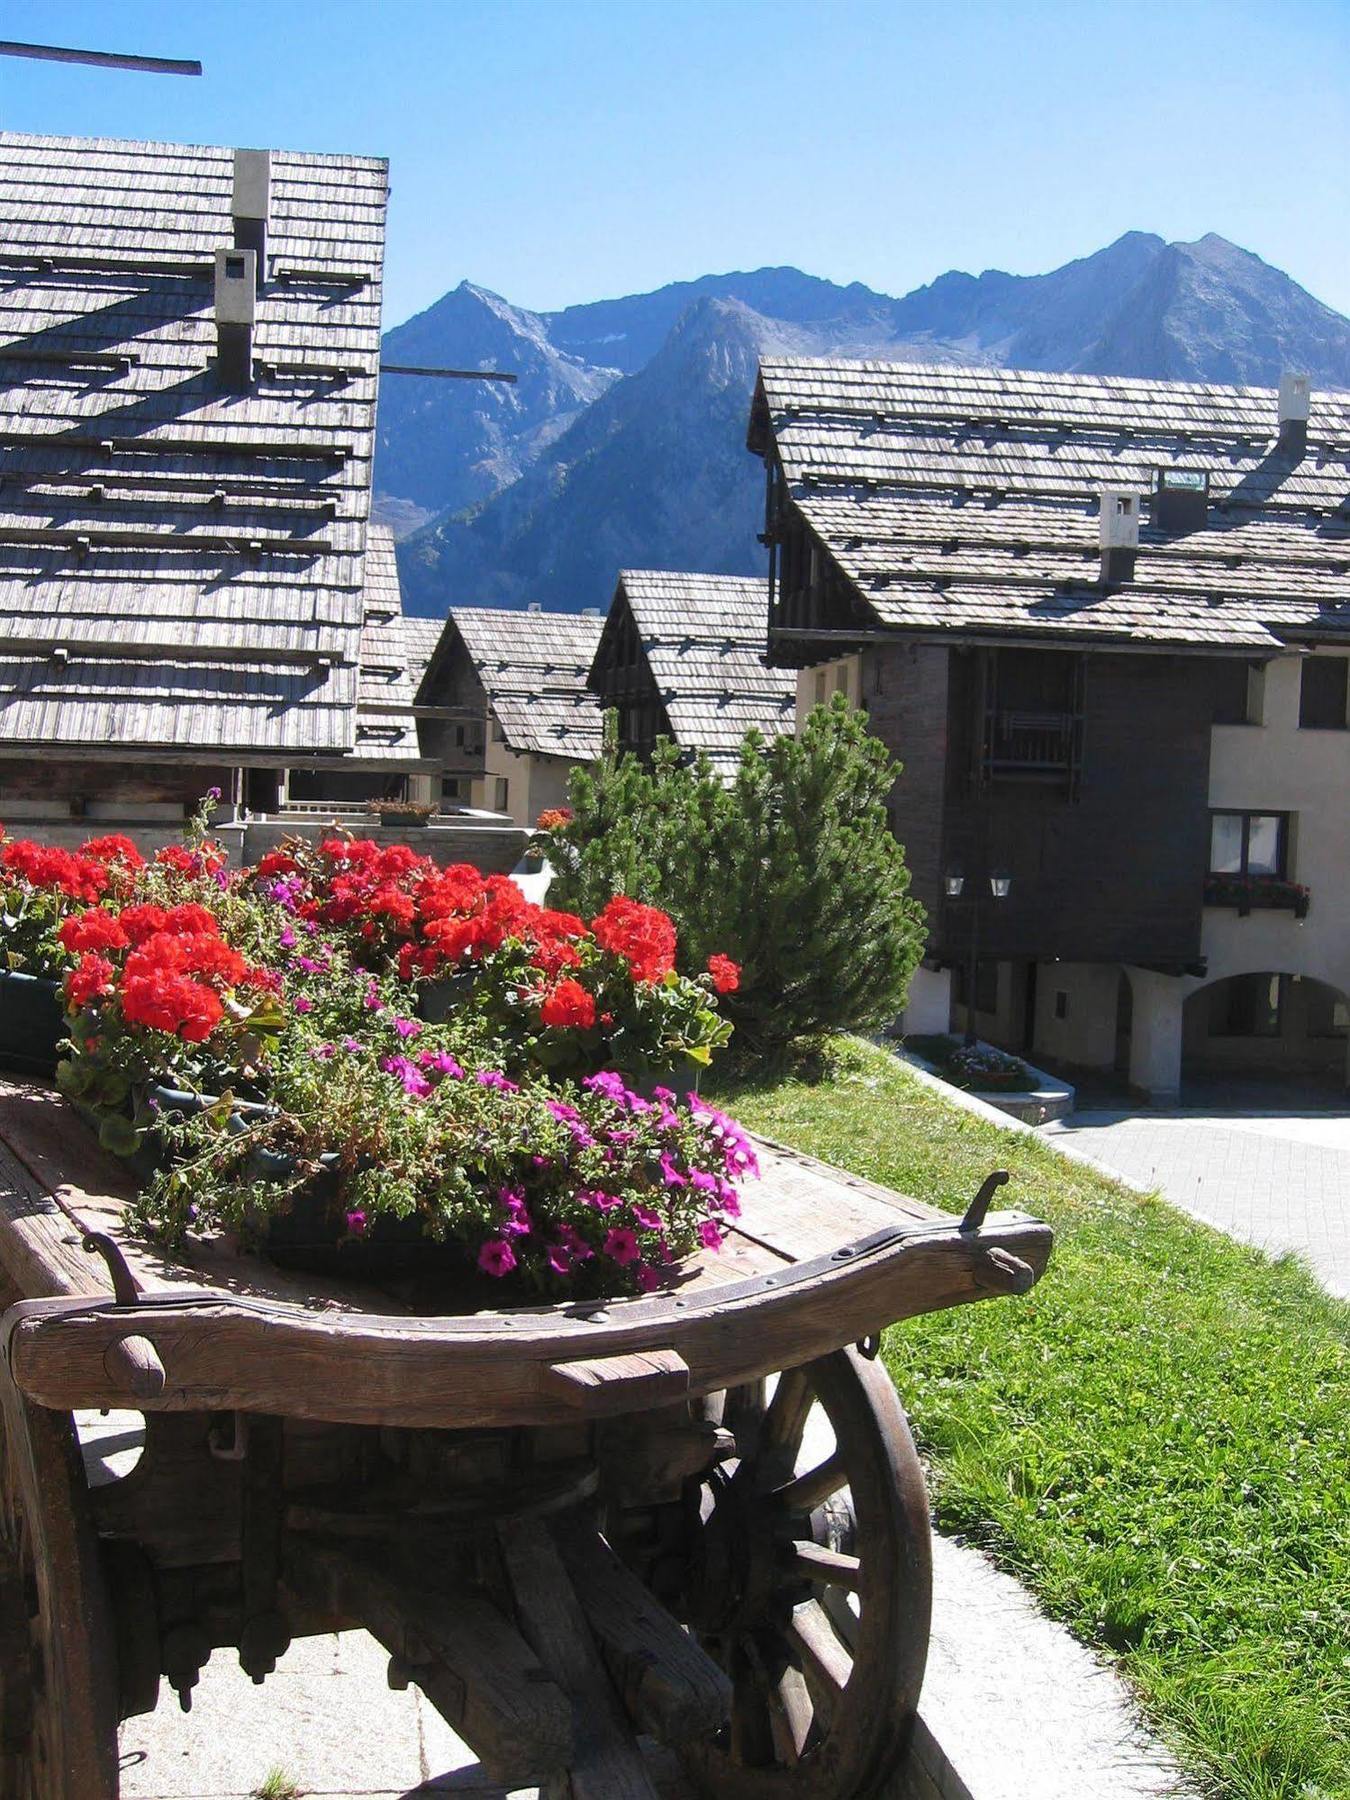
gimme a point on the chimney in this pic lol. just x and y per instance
(1119, 531)
(1295, 395)
(1180, 500)
(251, 206)
(534, 606)
(236, 298)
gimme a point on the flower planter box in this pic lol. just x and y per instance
(31, 1023)
(1257, 894)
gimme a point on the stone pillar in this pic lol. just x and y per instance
(1155, 1036)
(928, 1007)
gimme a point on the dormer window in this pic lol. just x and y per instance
(1180, 500)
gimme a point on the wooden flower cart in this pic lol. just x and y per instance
(568, 1524)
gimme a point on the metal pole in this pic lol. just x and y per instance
(102, 59)
(974, 963)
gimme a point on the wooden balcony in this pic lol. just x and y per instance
(1031, 745)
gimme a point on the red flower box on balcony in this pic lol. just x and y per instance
(1252, 893)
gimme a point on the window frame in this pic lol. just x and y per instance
(1281, 873)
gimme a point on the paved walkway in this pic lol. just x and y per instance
(1280, 1181)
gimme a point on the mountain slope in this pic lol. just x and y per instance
(659, 460)
(445, 444)
(652, 471)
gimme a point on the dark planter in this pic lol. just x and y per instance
(312, 1235)
(31, 1023)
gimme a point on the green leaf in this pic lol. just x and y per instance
(119, 1135)
(74, 1077)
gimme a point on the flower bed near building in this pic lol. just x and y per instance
(1255, 893)
(537, 1122)
(978, 1068)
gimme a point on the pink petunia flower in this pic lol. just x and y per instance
(496, 1257)
(709, 1235)
(621, 1244)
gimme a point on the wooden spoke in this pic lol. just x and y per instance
(826, 1568)
(792, 1716)
(823, 1657)
(834, 1601)
(785, 1416)
(806, 1492)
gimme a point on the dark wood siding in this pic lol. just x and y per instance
(622, 680)
(1117, 873)
(904, 688)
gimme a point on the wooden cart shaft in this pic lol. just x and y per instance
(817, 1260)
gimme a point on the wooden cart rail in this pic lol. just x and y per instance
(816, 1260)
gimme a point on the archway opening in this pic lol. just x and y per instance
(1267, 1027)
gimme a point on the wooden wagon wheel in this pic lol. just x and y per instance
(58, 1686)
(811, 1585)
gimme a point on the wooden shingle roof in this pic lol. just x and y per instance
(393, 660)
(704, 640)
(181, 565)
(533, 667)
(967, 499)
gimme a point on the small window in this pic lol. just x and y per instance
(1248, 843)
(498, 735)
(1124, 505)
(234, 268)
(841, 679)
(502, 794)
(1322, 693)
(452, 787)
(820, 687)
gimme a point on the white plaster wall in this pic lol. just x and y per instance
(1272, 766)
(928, 1005)
(842, 676)
(1086, 1036)
(1277, 766)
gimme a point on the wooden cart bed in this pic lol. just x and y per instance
(817, 1259)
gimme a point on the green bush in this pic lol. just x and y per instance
(790, 869)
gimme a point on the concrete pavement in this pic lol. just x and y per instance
(1278, 1180)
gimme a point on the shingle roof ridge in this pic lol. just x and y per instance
(37, 140)
(958, 373)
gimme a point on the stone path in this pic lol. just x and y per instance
(1280, 1181)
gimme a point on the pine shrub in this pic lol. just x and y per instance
(790, 868)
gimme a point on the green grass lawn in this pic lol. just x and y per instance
(1156, 1439)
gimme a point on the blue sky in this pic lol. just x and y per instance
(579, 149)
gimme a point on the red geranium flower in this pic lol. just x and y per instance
(93, 930)
(643, 935)
(726, 975)
(114, 848)
(275, 862)
(46, 866)
(90, 980)
(165, 1001)
(568, 1004)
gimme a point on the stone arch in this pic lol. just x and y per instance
(1265, 1023)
